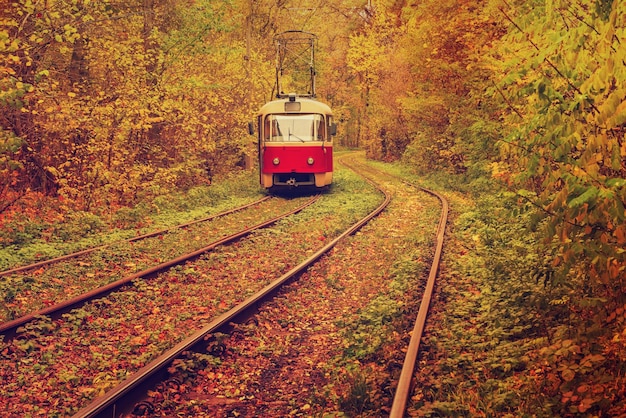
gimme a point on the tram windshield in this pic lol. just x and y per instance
(295, 128)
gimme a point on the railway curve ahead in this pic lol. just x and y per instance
(123, 398)
(290, 355)
(56, 366)
(306, 351)
(403, 390)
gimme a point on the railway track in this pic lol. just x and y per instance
(207, 339)
(162, 375)
(9, 328)
(123, 398)
(54, 366)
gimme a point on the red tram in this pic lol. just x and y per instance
(295, 143)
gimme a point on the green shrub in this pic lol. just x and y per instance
(79, 225)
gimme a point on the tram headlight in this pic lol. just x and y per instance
(276, 161)
(310, 161)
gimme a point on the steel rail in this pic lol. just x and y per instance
(121, 398)
(9, 328)
(137, 238)
(403, 390)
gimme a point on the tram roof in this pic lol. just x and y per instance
(307, 105)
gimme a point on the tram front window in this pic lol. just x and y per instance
(295, 128)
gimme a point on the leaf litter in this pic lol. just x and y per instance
(332, 343)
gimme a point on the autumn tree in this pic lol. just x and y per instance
(34, 43)
(415, 66)
(370, 58)
(562, 83)
(107, 102)
(336, 82)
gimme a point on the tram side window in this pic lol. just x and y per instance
(272, 129)
(321, 128)
(329, 127)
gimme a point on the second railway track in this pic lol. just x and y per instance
(245, 225)
(288, 359)
(44, 284)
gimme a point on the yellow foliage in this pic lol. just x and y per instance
(113, 104)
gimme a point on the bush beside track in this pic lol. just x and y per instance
(502, 340)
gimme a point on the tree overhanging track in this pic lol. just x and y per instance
(124, 397)
(9, 328)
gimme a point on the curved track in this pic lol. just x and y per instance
(403, 390)
(124, 397)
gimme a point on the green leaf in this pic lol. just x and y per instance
(588, 196)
